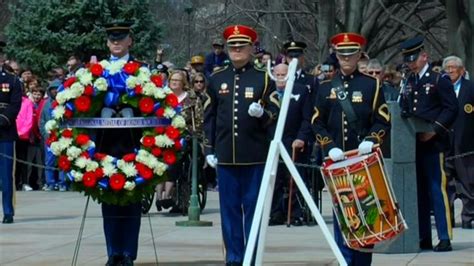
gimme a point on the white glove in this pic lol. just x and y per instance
(211, 160)
(336, 154)
(365, 147)
(255, 110)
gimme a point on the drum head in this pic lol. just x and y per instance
(347, 162)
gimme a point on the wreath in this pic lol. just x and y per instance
(118, 181)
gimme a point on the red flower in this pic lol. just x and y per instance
(69, 82)
(146, 105)
(148, 141)
(82, 139)
(99, 173)
(172, 100)
(160, 112)
(156, 151)
(89, 90)
(117, 181)
(67, 133)
(169, 157)
(83, 103)
(89, 179)
(159, 130)
(96, 70)
(144, 171)
(63, 163)
(172, 132)
(54, 104)
(100, 156)
(157, 80)
(138, 89)
(85, 154)
(52, 138)
(68, 114)
(131, 67)
(177, 145)
(129, 157)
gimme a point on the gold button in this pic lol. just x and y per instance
(236, 102)
(236, 86)
(345, 138)
(345, 122)
(235, 117)
(416, 93)
(415, 101)
(236, 94)
(236, 134)
(235, 110)
(414, 108)
(235, 126)
(345, 130)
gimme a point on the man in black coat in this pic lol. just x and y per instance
(121, 223)
(429, 97)
(10, 103)
(461, 170)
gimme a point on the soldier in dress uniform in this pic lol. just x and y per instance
(238, 115)
(10, 103)
(121, 223)
(462, 169)
(296, 135)
(333, 126)
(429, 97)
(295, 49)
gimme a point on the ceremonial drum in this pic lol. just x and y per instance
(363, 200)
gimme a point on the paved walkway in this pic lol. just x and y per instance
(47, 224)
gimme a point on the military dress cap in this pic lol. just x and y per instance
(348, 43)
(411, 48)
(197, 59)
(117, 31)
(239, 35)
(294, 48)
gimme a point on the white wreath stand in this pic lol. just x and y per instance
(264, 202)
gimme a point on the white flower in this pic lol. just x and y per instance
(104, 64)
(149, 89)
(76, 90)
(50, 125)
(73, 152)
(143, 74)
(61, 97)
(109, 169)
(169, 112)
(81, 162)
(163, 141)
(160, 168)
(92, 166)
(132, 81)
(167, 90)
(129, 185)
(160, 94)
(80, 72)
(127, 168)
(55, 148)
(77, 176)
(64, 143)
(147, 159)
(86, 78)
(58, 112)
(116, 66)
(101, 84)
(107, 160)
(178, 122)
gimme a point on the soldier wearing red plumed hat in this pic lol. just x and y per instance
(337, 130)
(239, 115)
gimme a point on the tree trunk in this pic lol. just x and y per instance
(470, 39)
(354, 15)
(326, 27)
(455, 45)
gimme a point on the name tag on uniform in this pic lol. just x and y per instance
(223, 89)
(249, 92)
(357, 97)
(5, 87)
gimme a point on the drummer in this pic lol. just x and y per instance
(355, 117)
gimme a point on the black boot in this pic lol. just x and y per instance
(443, 246)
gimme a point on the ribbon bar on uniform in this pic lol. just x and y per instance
(132, 122)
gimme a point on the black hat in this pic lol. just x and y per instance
(294, 49)
(117, 31)
(411, 48)
(161, 68)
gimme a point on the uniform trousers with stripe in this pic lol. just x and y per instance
(6, 172)
(238, 192)
(432, 194)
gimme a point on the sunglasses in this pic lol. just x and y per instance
(199, 81)
(374, 72)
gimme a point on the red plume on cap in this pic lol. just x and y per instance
(239, 34)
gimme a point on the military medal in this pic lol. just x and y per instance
(428, 87)
(468, 108)
(223, 89)
(357, 97)
(5, 87)
(249, 92)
